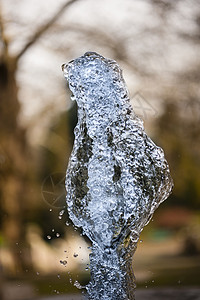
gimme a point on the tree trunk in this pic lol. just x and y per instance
(13, 163)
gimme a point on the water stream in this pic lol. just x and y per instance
(116, 177)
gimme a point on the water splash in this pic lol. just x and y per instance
(116, 176)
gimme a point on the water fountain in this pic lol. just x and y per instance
(116, 176)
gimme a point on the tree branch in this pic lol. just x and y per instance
(3, 36)
(115, 43)
(40, 31)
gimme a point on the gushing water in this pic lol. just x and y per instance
(116, 176)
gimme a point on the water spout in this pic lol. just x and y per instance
(116, 176)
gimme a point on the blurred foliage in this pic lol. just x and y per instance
(178, 133)
(56, 149)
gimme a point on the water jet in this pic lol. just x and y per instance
(116, 177)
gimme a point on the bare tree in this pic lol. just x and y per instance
(15, 152)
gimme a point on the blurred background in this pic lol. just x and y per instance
(157, 44)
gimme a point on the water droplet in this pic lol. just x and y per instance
(49, 237)
(53, 230)
(61, 213)
(63, 262)
(67, 223)
(50, 209)
(141, 241)
(78, 285)
(75, 255)
(57, 235)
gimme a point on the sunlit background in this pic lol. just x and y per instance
(157, 44)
